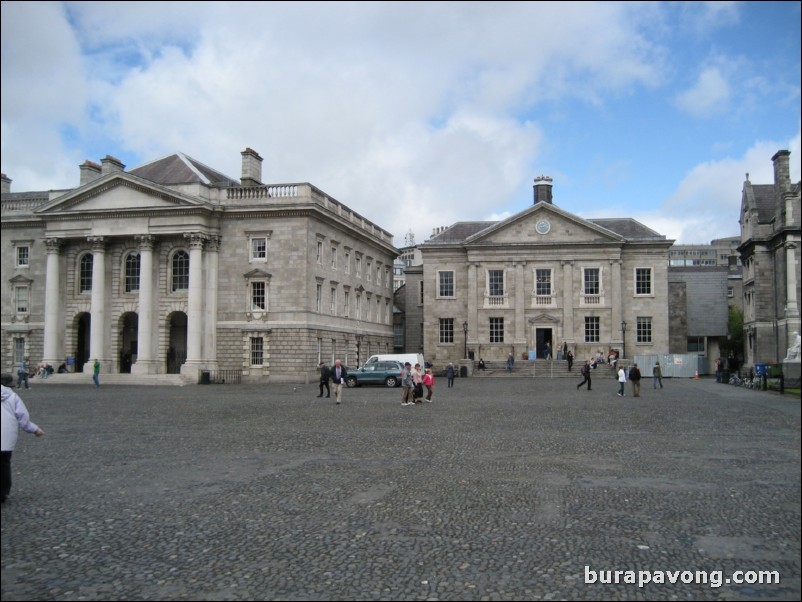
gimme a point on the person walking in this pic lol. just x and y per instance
(622, 380)
(657, 376)
(428, 382)
(570, 357)
(634, 377)
(96, 373)
(510, 362)
(585, 372)
(450, 372)
(14, 417)
(417, 384)
(406, 386)
(23, 373)
(338, 375)
(324, 379)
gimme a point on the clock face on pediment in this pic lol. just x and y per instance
(543, 226)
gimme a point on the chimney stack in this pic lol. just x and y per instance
(782, 172)
(89, 172)
(542, 190)
(111, 164)
(5, 183)
(251, 168)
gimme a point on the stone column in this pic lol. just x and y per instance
(53, 352)
(210, 314)
(568, 303)
(97, 350)
(145, 363)
(473, 316)
(194, 306)
(617, 313)
(520, 306)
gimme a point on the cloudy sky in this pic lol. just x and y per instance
(418, 115)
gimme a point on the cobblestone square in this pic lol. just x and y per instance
(502, 489)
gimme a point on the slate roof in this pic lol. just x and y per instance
(628, 228)
(181, 169)
(460, 231)
(764, 201)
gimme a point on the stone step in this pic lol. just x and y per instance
(175, 380)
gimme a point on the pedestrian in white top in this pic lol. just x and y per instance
(14, 417)
(622, 380)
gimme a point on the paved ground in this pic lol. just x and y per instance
(500, 490)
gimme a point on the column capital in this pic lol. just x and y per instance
(53, 245)
(195, 239)
(146, 241)
(213, 243)
(98, 243)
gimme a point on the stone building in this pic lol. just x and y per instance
(173, 267)
(542, 276)
(770, 254)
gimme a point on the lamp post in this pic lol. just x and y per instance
(624, 338)
(465, 330)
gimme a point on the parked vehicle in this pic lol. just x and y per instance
(412, 358)
(376, 373)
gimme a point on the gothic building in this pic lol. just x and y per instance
(542, 276)
(770, 253)
(173, 267)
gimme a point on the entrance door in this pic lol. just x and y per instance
(177, 351)
(542, 338)
(84, 326)
(128, 341)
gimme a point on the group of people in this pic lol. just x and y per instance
(413, 380)
(43, 370)
(634, 377)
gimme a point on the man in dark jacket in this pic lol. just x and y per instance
(338, 375)
(634, 377)
(324, 379)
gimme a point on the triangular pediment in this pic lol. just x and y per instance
(544, 223)
(118, 192)
(257, 273)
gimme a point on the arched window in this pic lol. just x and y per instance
(132, 264)
(180, 271)
(85, 277)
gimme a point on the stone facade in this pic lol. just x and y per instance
(544, 276)
(175, 267)
(770, 253)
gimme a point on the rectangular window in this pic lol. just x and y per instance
(446, 330)
(421, 292)
(592, 281)
(592, 329)
(334, 258)
(320, 251)
(21, 299)
(730, 292)
(543, 282)
(257, 351)
(85, 277)
(696, 344)
(318, 297)
(358, 267)
(333, 308)
(133, 265)
(258, 296)
(644, 331)
(19, 350)
(643, 281)
(496, 330)
(347, 262)
(368, 271)
(495, 283)
(445, 284)
(258, 249)
(347, 304)
(398, 335)
(23, 256)
(358, 315)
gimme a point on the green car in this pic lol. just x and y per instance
(379, 373)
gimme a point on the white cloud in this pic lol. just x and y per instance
(710, 94)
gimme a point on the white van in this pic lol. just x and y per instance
(412, 358)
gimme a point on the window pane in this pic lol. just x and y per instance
(592, 281)
(446, 284)
(495, 283)
(258, 248)
(257, 351)
(85, 283)
(644, 333)
(543, 282)
(21, 299)
(592, 329)
(643, 281)
(181, 271)
(258, 297)
(132, 266)
(22, 256)
(496, 330)
(446, 330)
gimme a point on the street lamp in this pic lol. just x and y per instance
(624, 338)
(465, 330)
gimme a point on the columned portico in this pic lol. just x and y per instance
(52, 344)
(194, 306)
(145, 362)
(210, 313)
(97, 350)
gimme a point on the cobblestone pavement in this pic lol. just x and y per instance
(502, 489)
